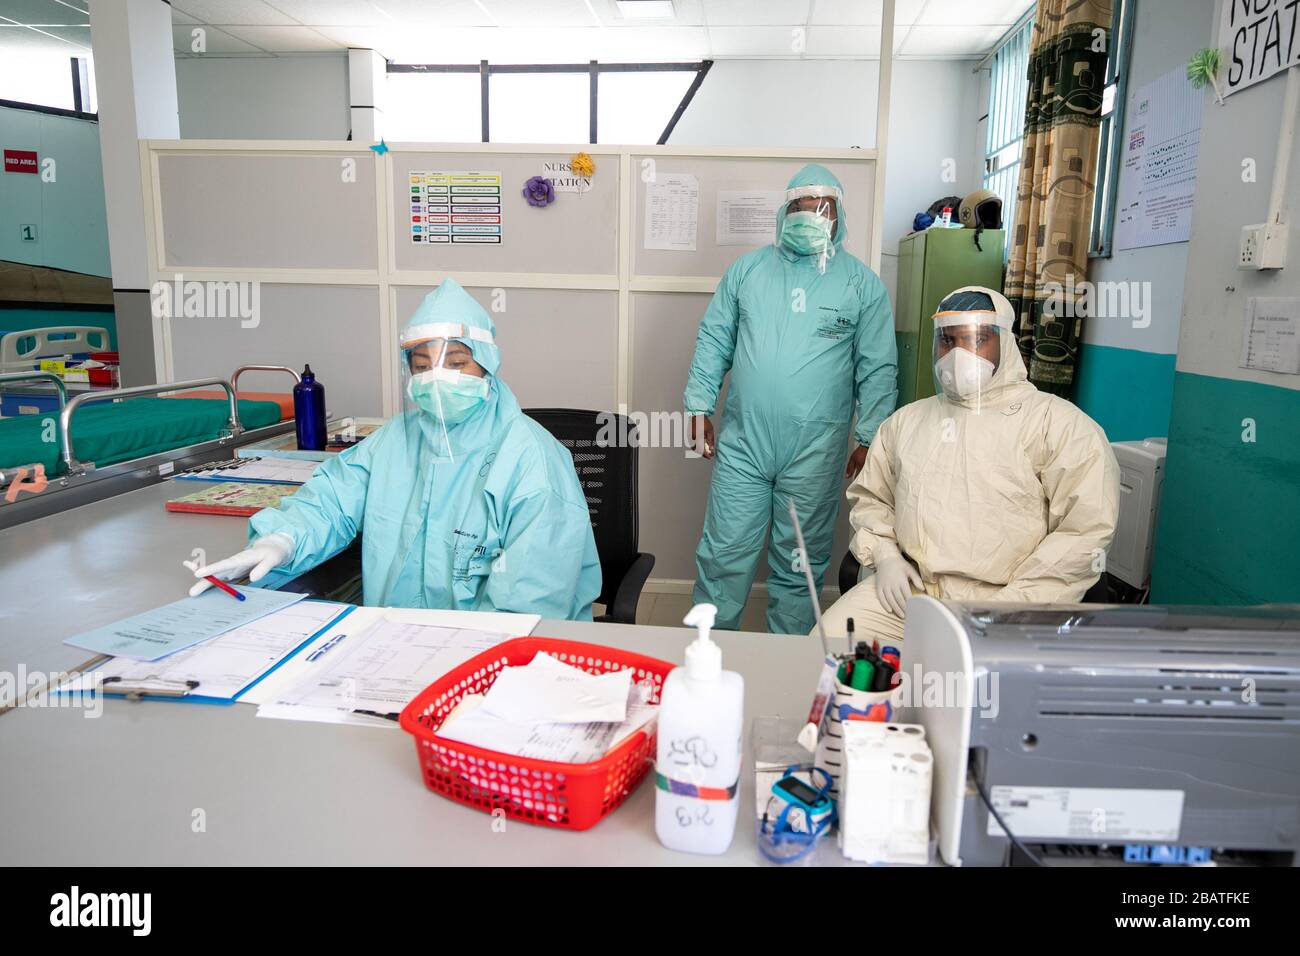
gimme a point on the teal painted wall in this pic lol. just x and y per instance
(17, 320)
(1229, 527)
(1129, 393)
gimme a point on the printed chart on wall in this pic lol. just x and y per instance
(672, 212)
(1158, 177)
(458, 206)
(1270, 340)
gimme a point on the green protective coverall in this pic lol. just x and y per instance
(807, 339)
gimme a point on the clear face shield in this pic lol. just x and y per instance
(441, 380)
(811, 222)
(967, 353)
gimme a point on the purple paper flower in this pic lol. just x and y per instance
(539, 191)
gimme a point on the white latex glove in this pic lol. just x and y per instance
(895, 580)
(267, 552)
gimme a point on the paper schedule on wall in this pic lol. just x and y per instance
(747, 218)
(1270, 341)
(672, 212)
(1157, 181)
(456, 206)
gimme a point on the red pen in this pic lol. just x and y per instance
(224, 586)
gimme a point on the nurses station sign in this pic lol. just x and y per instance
(1258, 38)
(21, 161)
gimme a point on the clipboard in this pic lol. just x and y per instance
(191, 691)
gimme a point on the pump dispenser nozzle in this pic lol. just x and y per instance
(703, 657)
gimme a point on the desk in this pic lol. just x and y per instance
(123, 788)
(79, 569)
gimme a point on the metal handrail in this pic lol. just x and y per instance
(75, 467)
(234, 379)
(32, 376)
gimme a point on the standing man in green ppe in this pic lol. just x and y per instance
(807, 333)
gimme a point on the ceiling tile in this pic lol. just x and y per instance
(20, 41)
(454, 13)
(216, 41)
(540, 13)
(922, 41)
(744, 13)
(864, 12)
(686, 13)
(43, 13)
(962, 12)
(753, 41)
(232, 11)
(848, 41)
(295, 39)
(332, 12)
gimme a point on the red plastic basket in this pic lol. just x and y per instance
(571, 796)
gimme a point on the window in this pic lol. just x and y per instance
(634, 108)
(624, 103)
(48, 80)
(1112, 130)
(539, 107)
(433, 108)
(1008, 92)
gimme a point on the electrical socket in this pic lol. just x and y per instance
(1263, 246)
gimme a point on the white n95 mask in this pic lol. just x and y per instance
(963, 374)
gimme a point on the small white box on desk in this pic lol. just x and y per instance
(885, 793)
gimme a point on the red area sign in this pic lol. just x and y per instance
(21, 161)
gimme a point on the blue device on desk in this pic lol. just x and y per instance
(798, 814)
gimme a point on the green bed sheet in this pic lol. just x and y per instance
(108, 432)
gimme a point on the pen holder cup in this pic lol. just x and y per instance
(850, 704)
(569, 796)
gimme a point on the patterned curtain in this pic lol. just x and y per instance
(1049, 251)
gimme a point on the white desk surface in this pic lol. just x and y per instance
(79, 569)
(124, 788)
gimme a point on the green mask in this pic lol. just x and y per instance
(451, 396)
(806, 233)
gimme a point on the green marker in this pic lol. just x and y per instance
(862, 674)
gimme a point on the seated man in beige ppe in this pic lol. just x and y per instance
(989, 490)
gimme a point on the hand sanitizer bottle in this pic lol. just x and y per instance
(697, 773)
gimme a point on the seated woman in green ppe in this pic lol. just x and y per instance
(463, 502)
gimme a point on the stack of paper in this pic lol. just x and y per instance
(370, 667)
(548, 710)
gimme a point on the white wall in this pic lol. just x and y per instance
(286, 97)
(833, 103)
(71, 229)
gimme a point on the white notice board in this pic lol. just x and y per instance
(1157, 179)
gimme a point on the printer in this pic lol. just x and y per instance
(1108, 734)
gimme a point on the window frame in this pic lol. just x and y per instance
(1008, 95)
(1101, 232)
(593, 69)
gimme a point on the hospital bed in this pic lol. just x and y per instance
(104, 443)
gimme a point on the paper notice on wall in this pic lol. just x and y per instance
(672, 212)
(1269, 341)
(747, 218)
(565, 180)
(1158, 177)
(455, 206)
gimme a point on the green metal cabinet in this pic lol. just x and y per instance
(930, 265)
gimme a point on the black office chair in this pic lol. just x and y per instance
(1099, 593)
(608, 474)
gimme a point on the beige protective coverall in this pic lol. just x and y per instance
(1010, 498)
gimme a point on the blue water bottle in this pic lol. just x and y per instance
(309, 412)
